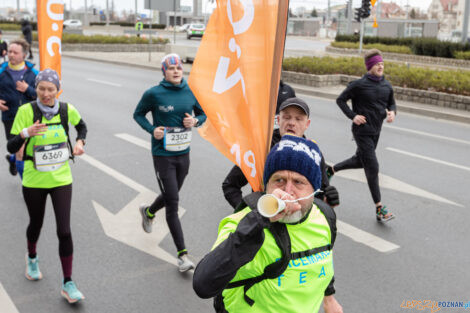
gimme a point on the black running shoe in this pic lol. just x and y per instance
(12, 168)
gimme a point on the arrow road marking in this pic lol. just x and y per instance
(350, 231)
(103, 82)
(6, 305)
(365, 238)
(125, 226)
(429, 159)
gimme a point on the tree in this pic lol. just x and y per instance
(413, 14)
(314, 13)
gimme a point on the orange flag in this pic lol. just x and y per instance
(235, 77)
(50, 22)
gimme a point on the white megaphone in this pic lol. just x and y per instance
(269, 205)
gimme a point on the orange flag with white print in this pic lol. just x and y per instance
(50, 22)
(235, 77)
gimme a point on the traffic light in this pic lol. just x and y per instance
(365, 8)
(357, 14)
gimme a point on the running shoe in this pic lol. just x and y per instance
(71, 293)
(32, 269)
(146, 220)
(383, 215)
(12, 167)
(184, 263)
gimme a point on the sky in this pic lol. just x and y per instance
(130, 4)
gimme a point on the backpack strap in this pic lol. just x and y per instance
(64, 121)
(330, 216)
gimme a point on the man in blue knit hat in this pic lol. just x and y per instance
(278, 264)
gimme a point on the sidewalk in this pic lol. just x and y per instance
(141, 60)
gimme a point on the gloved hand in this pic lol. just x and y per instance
(331, 195)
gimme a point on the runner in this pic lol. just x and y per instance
(42, 126)
(171, 104)
(372, 102)
(16, 87)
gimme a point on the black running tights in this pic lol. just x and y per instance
(171, 172)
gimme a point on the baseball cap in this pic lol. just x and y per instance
(295, 102)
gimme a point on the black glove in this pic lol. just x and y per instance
(332, 195)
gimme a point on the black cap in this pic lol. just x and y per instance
(297, 102)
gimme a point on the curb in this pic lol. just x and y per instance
(402, 106)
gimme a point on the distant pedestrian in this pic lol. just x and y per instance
(372, 102)
(27, 31)
(3, 48)
(138, 27)
(16, 88)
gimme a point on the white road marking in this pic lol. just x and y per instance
(135, 140)
(113, 173)
(6, 304)
(343, 228)
(104, 82)
(125, 226)
(366, 238)
(429, 159)
(465, 142)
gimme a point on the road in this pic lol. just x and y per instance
(420, 255)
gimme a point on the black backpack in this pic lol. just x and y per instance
(64, 121)
(281, 235)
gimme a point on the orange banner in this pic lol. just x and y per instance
(235, 77)
(50, 22)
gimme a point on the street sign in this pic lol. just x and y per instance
(163, 6)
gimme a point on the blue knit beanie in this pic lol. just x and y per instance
(295, 154)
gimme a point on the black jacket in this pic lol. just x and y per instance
(285, 92)
(236, 180)
(369, 98)
(27, 31)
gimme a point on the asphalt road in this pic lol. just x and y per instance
(422, 254)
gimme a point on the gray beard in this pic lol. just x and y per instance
(292, 218)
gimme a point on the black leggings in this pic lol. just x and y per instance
(366, 158)
(61, 197)
(171, 172)
(7, 125)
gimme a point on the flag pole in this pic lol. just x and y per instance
(278, 56)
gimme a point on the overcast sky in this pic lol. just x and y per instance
(130, 4)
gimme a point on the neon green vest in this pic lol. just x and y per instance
(301, 287)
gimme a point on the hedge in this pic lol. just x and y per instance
(419, 46)
(103, 39)
(9, 26)
(449, 81)
(127, 24)
(465, 55)
(381, 47)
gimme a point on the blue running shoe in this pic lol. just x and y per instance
(71, 293)
(32, 269)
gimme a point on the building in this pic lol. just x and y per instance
(445, 11)
(389, 10)
(460, 16)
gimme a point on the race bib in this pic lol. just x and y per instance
(48, 158)
(176, 138)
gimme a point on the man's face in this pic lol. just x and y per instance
(377, 69)
(297, 186)
(16, 54)
(293, 120)
(174, 74)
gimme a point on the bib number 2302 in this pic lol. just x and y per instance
(176, 138)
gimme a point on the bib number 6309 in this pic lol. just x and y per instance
(248, 158)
